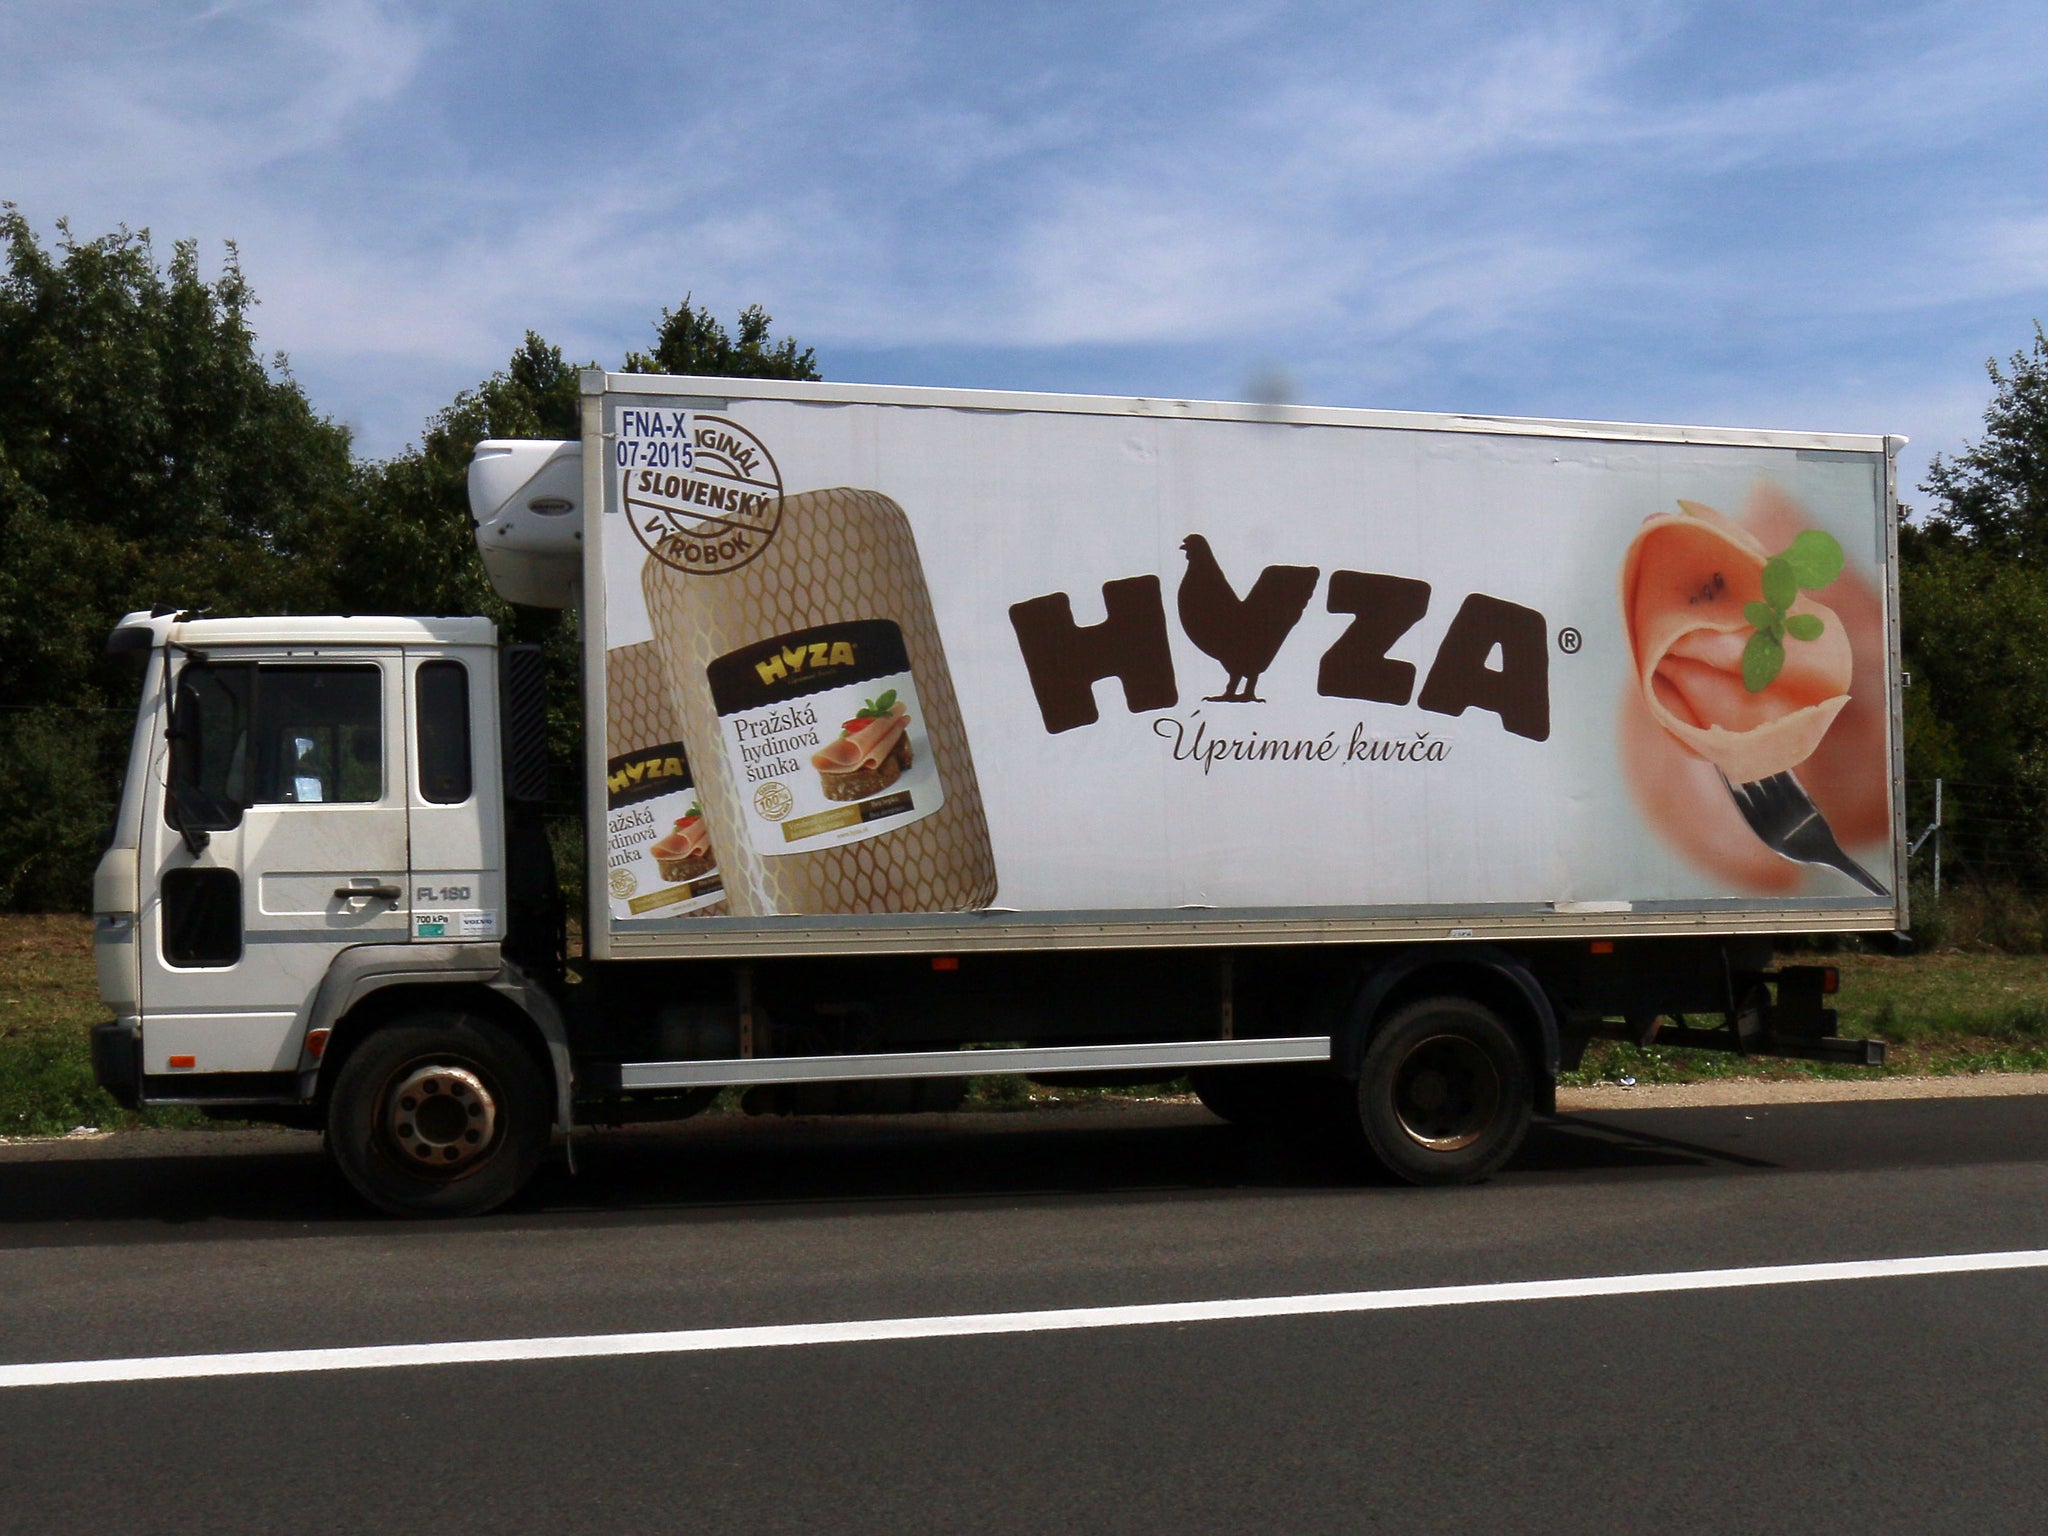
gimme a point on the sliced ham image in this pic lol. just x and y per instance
(1686, 719)
(867, 748)
(1683, 586)
(687, 841)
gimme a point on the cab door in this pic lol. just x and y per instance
(290, 770)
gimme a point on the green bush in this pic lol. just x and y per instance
(60, 779)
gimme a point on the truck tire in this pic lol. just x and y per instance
(438, 1114)
(1444, 1093)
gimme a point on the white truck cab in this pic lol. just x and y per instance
(314, 811)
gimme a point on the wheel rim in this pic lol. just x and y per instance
(441, 1117)
(1447, 1093)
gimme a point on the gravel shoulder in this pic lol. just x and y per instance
(1808, 1090)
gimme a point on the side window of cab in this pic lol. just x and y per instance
(253, 733)
(441, 727)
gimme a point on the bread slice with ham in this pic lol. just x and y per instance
(686, 852)
(867, 760)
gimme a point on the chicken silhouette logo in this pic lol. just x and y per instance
(1244, 634)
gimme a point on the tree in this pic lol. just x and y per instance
(404, 542)
(1974, 628)
(148, 456)
(690, 341)
(1994, 494)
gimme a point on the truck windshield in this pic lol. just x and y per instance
(246, 734)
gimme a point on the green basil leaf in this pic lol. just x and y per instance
(1762, 660)
(1815, 558)
(1781, 586)
(1759, 615)
(1804, 626)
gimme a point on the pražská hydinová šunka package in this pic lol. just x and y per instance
(820, 715)
(659, 860)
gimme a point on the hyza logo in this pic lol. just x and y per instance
(819, 656)
(1243, 635)
(702, 492)
(656, 771)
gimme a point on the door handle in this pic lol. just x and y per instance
(365, 892)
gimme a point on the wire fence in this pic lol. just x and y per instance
(1990, 837)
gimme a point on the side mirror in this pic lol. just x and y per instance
(187, 810)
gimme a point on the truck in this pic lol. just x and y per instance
(1359, 767)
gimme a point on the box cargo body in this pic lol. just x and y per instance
(1361, 767)
(1235, 673)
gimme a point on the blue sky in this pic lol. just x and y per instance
(1766, 215)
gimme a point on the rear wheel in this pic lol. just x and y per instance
(1444, 1094)
(438, 1115)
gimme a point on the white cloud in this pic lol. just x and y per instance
(122, 100)
(1289, 211)
(2011, 256)
(1541, 87)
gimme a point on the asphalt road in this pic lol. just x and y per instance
(1912, 1404)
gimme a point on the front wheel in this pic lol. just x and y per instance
(438, 1115)
(1444, 1094)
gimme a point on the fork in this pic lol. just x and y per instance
(1783, 815)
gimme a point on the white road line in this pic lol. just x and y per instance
(972, 1325)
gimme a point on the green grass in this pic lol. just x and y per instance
(48, 1003)
(1010, 1092)
(1939, 1014)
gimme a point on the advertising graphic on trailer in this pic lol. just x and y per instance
(867, 658)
